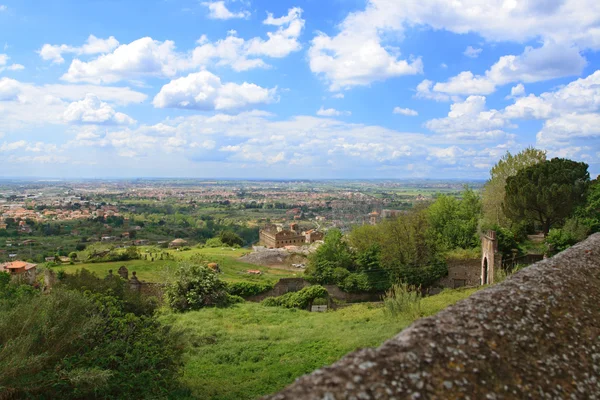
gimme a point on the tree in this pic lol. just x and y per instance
(195, 287)
(231, 238)
(493, 191)
(589, 213)
(547, 192)
(453, 222)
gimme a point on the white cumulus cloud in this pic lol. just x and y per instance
(205, 91)
(93, 45)
(218, 10)
(472, 52)
(91, 110)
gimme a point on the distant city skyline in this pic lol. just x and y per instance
(256, 89)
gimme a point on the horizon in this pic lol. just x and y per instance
(294, 90)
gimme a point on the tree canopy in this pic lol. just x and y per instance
(493, 191)
(547, 192)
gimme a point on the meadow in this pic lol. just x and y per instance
(232, 269)
(249, 350)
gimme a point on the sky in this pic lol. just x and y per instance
(303, 89)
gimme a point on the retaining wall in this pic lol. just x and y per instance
(535, 335)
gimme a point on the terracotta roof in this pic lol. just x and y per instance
(19, 265)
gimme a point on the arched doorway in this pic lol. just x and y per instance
(484, 272)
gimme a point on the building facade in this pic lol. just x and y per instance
(272, 237)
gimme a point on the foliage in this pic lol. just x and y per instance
(68, 344)
(401, 299)
(453, 222)
(300, 299)
(214, 242)
(547, 192)
(113, 285)
(493, 191)
(561, 239)
(247, 289)
(589, 213)
(194, 287)
(231, 238)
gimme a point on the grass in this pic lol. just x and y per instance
(154, 271)
(250, 350)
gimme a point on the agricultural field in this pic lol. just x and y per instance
(249, 350)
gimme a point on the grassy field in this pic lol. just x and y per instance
(154, 271)
(250, 350)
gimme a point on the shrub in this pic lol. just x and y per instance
(402, 299)
(214, 242)
(561, 239)
(423, 276)
(301, 299)
(247, 289)
(195, 287)
(73, 255)
(82, 345)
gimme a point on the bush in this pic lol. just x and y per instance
(247, 289)
(195, 287)
(133, 301)
(84, 345)
(73, 255)
(403, 299)
(214, 242)
(301, 299)
(421, 276)
(561, 239)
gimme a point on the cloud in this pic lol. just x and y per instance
(338, 96)
(4, 61)
(93, 45)
(581, 96)
(144, 57)
(218, 10)
(243, 54)
(331, 112)
(204, 91)
(424, 91)
(26, 105)
(535, 64)
(517, 91)
(361, 52)
(91, 110)
(472, 52)
(3, 7)
(405, 111)
(469, 120)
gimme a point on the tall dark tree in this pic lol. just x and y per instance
(547, 192)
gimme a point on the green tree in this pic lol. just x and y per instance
(547, 192)
(453, 222)
(589, 213)
(195, 287)
(231, 238)
(493, 191)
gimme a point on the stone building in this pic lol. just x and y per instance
(313, 235)
(274, 238)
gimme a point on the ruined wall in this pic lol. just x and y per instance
(461, 273)
(535, 335)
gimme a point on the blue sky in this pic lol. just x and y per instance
(295, 89)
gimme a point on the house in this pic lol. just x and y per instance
(313, 236)
(18, 268)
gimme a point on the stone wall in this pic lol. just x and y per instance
(461, 273)
(535, 335)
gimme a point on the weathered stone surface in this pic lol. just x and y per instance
(535, 335)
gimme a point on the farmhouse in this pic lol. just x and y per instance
(19, 268)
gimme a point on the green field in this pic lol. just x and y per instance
(155, 271)
(250, 350)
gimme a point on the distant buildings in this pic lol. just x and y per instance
(274, 237)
